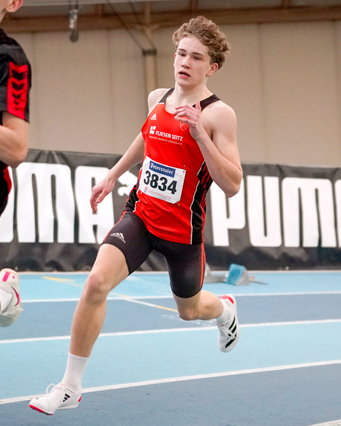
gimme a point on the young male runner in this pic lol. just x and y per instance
(188, 140)
(15, 84)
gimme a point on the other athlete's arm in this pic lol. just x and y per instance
(13, 140)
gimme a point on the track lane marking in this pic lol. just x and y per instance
(172, 330)
(75, 299)
(188, 378)
(132, 300)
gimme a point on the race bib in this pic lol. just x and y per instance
(161, 181)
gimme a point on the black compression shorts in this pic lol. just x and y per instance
(185, 262)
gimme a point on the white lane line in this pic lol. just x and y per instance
(187, 378)
(76, 299)
(114, 334)
(152, 305)
(173, 330)
(126, 298)
(258, 271)
(50, 300)
(333, 423)
(302, 293)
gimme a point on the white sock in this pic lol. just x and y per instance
(5, 300)
(224, 317)
(74, 372)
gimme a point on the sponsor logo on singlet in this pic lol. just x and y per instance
(169, 137)
(159, 168)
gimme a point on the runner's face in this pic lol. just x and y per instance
(192, 62)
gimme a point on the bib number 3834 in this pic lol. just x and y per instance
(162, 181)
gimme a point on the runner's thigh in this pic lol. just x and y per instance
(186, 266)
(130, 235)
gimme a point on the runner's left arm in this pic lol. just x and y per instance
(215, 131)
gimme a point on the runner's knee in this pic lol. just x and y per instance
(96, 287)
(188, 314)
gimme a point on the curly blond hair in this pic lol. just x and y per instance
(209, 35)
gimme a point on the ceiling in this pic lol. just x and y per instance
(53, 15)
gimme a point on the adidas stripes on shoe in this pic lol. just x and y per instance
(229, 331)
(57, 398)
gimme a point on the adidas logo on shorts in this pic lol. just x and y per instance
(118, 235)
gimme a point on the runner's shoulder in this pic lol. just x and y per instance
(155, 96)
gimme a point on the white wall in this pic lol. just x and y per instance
(283, 80)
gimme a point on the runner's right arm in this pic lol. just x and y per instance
(133, 156)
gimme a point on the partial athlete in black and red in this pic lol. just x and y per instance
(15, 85)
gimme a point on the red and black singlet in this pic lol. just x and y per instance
(15, 84)
(170, 196)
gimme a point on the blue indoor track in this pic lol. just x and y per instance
(150, 368)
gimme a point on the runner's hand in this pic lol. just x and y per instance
(191, 116)
(100, 191)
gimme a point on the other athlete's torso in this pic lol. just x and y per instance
(15, 84)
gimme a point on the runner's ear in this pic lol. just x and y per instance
(14, 5)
